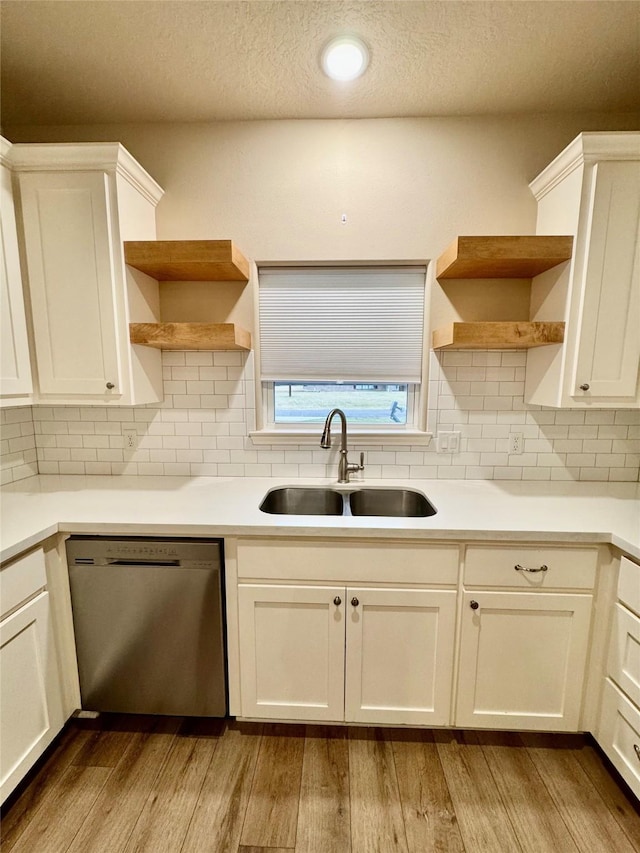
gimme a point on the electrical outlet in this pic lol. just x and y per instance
(130, 438)
(516, 443)
(448, 442)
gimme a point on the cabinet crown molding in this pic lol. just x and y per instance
(586, 148)
(109, 157)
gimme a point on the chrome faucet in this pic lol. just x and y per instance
(344, 466)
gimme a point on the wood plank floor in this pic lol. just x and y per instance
(134, 783)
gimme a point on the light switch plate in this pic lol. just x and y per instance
(448, 442)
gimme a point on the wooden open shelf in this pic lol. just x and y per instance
(188, 260)
(190, 336)
(517, 335)
(502, 257)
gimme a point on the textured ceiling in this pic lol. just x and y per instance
(201, 60)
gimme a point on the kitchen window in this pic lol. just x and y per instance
(350, 337)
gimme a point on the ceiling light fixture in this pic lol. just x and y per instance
(345, 58)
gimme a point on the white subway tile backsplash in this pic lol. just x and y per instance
(483, 417)
(573, 445)
(569, 417)
(508, 473)
(207, 469)
(627, 416)
(200, 358)
(218, 456)
(218, 429)
(594, 474)
(454, 358)
(286, 470)
(623, 474)
(494, 459)
(263, 470)
(201, 429)
(630, 445)
(537, 473)
(583, 431)
(188, 429)
(418, 472)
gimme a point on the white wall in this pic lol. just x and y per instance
(407, 187)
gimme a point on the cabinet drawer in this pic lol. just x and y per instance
(22, 579)
(623, 665)
(619, 735)
(629, 584)
(349, 562)
(569, 568)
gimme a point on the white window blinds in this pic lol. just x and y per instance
(347, 323)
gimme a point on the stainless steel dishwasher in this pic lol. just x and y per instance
(148, 619)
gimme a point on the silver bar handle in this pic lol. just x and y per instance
(637, 750)
(520, 568)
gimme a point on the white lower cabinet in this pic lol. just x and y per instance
(32, 691)
(522, 660)
(378, 633)
(359, 654)
(399, 655)
(291, 652)
(619, 734)
(619, 727)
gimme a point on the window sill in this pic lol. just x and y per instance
(359, 437)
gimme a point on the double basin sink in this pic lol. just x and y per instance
(399, 503)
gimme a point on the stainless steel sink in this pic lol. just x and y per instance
(403, 503)
(301, 501)
(313, 500)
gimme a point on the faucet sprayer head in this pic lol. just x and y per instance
(325, 441)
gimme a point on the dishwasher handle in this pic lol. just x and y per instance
(139, 562)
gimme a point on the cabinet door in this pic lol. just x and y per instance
(15, 367)
(291, 652)
(619, 734)
(522, 660)
(67, 229)
(399, 655)
(623, 662)
(30, 691)
(609, 345)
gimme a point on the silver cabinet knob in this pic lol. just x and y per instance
(585, 386)
(110, 385)
(355, 601)
(337, 601)
(474, 605)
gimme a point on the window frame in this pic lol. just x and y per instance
(414, 432)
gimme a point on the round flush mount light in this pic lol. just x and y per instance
(345, 58)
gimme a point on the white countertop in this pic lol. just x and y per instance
(469, 510)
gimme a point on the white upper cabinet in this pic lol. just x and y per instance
(79, 203)
(15, 367)
(592, 190)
